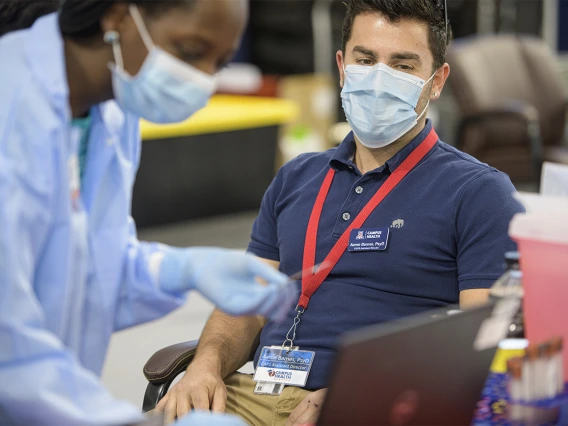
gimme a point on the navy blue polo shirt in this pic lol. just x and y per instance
(448, 221)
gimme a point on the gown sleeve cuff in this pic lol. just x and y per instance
(173, 271)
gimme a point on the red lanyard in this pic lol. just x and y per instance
(311, 281)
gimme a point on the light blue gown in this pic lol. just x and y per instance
(72, 270)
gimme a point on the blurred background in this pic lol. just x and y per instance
(201, 182)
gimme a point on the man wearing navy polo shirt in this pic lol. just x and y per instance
(399, 221)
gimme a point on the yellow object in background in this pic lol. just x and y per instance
(226, 113)
(317, 95)
(508, 348)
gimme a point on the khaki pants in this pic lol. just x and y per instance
(260, 410)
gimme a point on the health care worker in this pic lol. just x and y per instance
(71, 268)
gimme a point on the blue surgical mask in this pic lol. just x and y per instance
(380, 103)
(166, 89)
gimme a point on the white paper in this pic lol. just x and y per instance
(542, 204)
(554, 180)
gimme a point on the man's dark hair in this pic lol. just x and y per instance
(428, 11)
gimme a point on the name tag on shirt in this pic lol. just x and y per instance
(368, 239)
(278, 365)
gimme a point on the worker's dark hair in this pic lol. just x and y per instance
(77, 18)
(81, 19)
(21, 14)
(428, 11)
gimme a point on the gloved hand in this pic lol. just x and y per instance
(228, 278)
(205, 418)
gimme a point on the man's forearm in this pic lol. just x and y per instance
(227, 342)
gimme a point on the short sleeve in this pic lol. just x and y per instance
(483, 212)
(264, 237)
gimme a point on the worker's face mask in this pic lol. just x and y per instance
(379, 103)
(166, 89)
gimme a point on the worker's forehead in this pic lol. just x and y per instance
(208, 19)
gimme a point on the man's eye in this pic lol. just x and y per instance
(403, 67)
(364, 61)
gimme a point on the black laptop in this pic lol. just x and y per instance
(421, 370)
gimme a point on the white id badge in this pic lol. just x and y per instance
(264, 388)
(286, 366)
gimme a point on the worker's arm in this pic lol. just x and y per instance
(473, 298)
(156, 277)
(141, 298)
(227, 342)
(225, 345)
(227, 278)
(41, 380)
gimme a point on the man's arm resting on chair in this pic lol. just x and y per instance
(224, 346)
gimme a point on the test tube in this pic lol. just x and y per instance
(557, 345)
(541, 372)
(516, 389)
(530, 379)
(551, 373)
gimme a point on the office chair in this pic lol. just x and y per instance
(162, 368)
(511, 95)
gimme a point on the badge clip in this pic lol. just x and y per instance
(297, 319)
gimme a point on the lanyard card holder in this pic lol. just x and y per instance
(280, 365)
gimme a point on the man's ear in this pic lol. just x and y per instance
(340, 65)
(439, 81)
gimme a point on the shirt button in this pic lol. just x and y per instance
(346, 216)
(359, 189)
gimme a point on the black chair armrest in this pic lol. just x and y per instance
(163, 367)
(513, 109)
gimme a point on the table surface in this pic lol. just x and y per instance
(226, 113)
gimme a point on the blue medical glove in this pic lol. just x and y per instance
(228, 278)
(206, 418)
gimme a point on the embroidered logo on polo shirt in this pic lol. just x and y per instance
(399, 223)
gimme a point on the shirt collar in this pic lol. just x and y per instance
(343, 155)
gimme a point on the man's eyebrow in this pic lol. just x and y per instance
(405, 56)
(365, 51)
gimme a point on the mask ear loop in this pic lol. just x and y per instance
(431, 77)
(141, 26)
(423, 111)
(427, 103)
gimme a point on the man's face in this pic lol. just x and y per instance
(403, 46)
